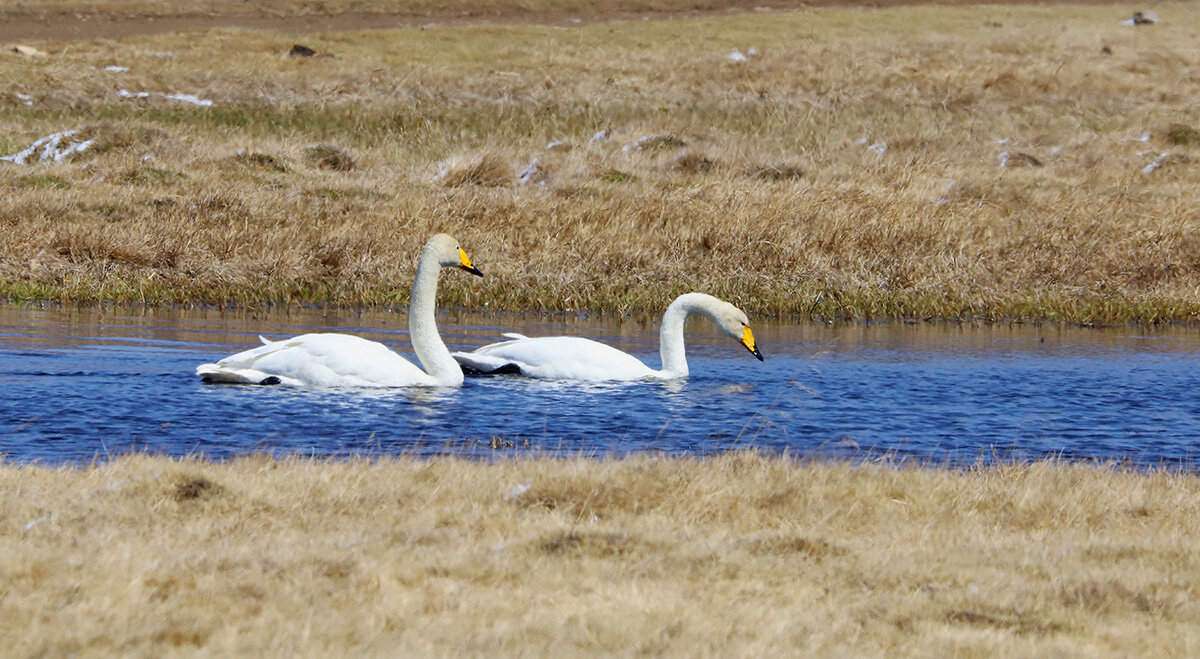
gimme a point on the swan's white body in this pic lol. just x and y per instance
(342, 360)
(573, 358)
(322, 360)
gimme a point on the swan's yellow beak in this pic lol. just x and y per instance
(748, 341)
(464, 262)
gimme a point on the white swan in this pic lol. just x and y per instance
(573, 358)
(334, 360)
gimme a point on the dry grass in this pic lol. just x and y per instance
(773, 189)
(738, 555)
(439, 9)
(162, 8)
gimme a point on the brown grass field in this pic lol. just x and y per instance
(736, 555)
(758, 182)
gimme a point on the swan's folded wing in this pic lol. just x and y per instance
(317, 359)
(248, 358)
(557, 357)
(492, 358)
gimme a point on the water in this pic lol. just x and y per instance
(79, 385)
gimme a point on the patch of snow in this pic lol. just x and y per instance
(1162, 157)
(736, 56)
(52, 147)
(518, 490)
(533, 173)
(600, 136)
(944, 198)
(190, 98)
(37, 521)
(67, 152)
(185, 98)
(116, 69)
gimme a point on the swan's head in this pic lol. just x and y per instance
(449, 254)
(733, 321)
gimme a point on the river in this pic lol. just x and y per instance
(78, 385)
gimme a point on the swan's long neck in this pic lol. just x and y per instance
(422, 329)
(670, 335)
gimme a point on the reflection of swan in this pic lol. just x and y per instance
(572, 358)
(345, 360)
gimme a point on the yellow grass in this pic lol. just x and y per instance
(738, 555)
(222, 204)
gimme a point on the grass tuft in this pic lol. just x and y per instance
(329, 156)
(1183, 134)
(189, 488)
(781, 172)
(269, 162)
(689, 162)
(487, 170)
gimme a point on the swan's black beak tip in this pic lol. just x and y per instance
(472, 269)
(749, 343)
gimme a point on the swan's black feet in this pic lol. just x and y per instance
(271, 380)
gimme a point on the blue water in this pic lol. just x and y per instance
(81, 385)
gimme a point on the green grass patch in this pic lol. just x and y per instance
(45, 181)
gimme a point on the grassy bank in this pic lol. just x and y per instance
(114, 9)
(739, 555)
(852, 168)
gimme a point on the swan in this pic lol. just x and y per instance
(334, 360)
(573, 358)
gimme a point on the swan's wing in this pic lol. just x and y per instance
(317, 359)
(557, 357)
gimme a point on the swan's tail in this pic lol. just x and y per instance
(476, 363)
(217, 374)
